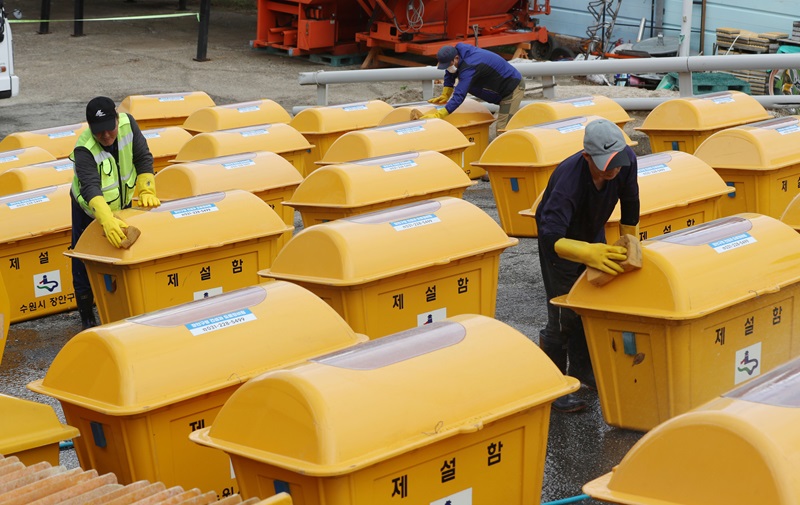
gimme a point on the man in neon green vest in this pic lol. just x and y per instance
(112, 160)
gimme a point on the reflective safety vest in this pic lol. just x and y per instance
(116, 182)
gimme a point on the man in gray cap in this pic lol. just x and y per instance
(571, 219)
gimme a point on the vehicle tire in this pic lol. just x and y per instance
(784, 81)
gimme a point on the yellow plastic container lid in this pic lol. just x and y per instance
(164, 105)
(166, 141)
(27, 425)
(277, 138)
(469, 113)
(737, 449)
(706, 112)
(339, 413)
(22, 157)
(791, 216)
(684, 272)
(761, 146)
(547, 111)
(427, 134)
(340, 118)
(58, 141)
(235, 115)
(39, 175)
(35, 213)
(254, 172)
(541, 145)
(367, 247)
(184, 225)
(382, 179)
(163, 357)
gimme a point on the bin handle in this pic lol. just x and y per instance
(766, 291)
(471, 428)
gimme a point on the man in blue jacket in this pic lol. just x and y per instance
(481, 73)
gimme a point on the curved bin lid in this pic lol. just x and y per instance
(58, 141)
(791, 215)
(766, 145)
(164, 105)
(21, 157)
(278, 138)
(39, 175)
(469, 113)
(340, 118)
(27, 425)
(546, 111)
(35, 213)
(706, 112)
(167, 140)
(235, 115)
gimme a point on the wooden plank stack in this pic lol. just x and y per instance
(736, 41)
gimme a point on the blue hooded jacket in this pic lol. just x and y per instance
(481, 73)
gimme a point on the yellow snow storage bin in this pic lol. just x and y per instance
(278, 138)
(395, 269)
(761, 160)
(235, 115)
(31, 431)
(713, 306)
(425, 135)
(544, 112)
(521, 161)
(321, 126)
(737, 449)
(338, 191)
(137, 388)
(682, 124)
(375, 424)
(22, 157)
(58, 141)
(164, 144)
(36, 231)
(471, 118)
(167, 109)
(265, 174)
(39, 175)
(189, 249)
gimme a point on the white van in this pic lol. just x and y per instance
(9, 83)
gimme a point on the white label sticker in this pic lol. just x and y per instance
(194, 211)
(786, 130)
(734, 242)
(58, 135)
(151, 135)
(415, 222)
(431, 317)
(723, 99)
(583, 103)
(251, 108)
(47, 283)
(653, 170)
(410, 129)
(170, 98)
(219, 322)
(6, 159)
(391, 167)
(748, 363)
(570, 128)
(350, 108)
(68, 165)
(253, 133)
(461, 498)
(207, 293)
(238, 164)
(28, 202)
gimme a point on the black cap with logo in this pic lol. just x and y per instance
(101, 114)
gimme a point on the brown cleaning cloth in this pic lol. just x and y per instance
(632, 262)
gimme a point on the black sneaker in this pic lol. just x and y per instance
(88, 321)
(587, 379)
(569, 403)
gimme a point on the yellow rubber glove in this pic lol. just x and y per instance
(627, 229)
(447, 92)
(439, 113)
(112, 226)
(600, 256)
(146, 185)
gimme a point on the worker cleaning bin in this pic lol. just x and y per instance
(713, 306)
(38, 175)
(545, 112)
(265, 174)
(137, 388)
(22, 157)
(395, 269)
(321, 126)
(31, 431)
(165, 143)
(471, 118)
(740, 448)
(165, 109)
(36, 232)
(761, 160)
(455, 412)
(423, 135)
(235, 115)
(189, 249)
(58, 141)
(682, 124)
(278, 138)
(520, 162)
(339, 191)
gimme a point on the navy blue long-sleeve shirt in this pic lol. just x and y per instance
(481, 73)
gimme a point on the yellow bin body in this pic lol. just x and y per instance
(425, 135)
(471, 118)
(338, 191)
(165, 109)
(164, 144)
(713, 306)
(743, 449)
(235, 115)
(31, 431)
(761, 160)
(189, 249)
(265, 174)
(23, 157)
(58, 141)
(395, 269)
(5, 318)
(39, 175)
(321, 126)
(682, 124)
(278, 138)
(520, 162)
(545, 112)
(36, 232)
(137, 388)
(328, 431)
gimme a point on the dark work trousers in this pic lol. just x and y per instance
(80, 279)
